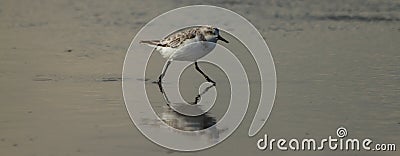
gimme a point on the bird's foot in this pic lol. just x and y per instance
(211, 81)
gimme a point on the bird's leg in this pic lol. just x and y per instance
(202, 73)
(166, 65)
(162, 76)
(160, 80)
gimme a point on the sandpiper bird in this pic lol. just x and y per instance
(189, 44)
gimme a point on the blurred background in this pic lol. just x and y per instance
(337, 64)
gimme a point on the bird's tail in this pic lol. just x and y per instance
(152, 43)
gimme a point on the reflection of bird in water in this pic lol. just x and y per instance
(187, 123)
(201, 41)
(192, 123)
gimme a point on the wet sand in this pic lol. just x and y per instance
(60, 66)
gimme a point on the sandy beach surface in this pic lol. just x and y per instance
(337, 64)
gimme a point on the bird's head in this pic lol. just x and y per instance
(212, 33)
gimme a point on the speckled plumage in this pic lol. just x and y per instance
(188, 44)
(171, 44)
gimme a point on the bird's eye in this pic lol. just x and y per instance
(216, 31)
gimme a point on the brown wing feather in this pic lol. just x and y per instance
(176, 39)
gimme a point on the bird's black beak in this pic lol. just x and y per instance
(222, 39)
